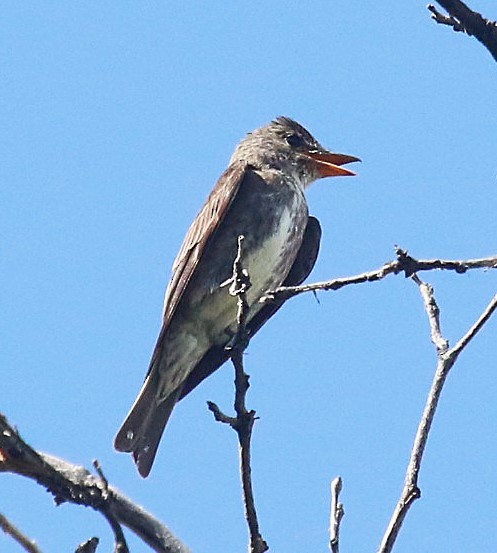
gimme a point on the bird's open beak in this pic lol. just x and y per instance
(328, 163)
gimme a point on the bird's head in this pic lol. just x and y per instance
(286, 146)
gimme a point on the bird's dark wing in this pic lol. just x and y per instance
(199, 234)
(304, 262)
(301, 268)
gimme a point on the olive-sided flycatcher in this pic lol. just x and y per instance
(261, 197)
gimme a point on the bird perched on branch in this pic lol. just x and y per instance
(260, 196)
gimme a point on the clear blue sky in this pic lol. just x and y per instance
(117, 119)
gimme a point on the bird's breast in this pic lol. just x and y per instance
(269, 261)
(273, 231)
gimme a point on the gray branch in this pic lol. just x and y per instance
(462, 19)
(336, 514)
(74, 484)
(244, 421)
(11, 530)
(446, 357)
(403, 264)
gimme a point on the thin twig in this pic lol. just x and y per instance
(463, 342)
(336, 515)
(120, 545)
(446, 359)
(14, 532)
(98, 467)
(403, 264)
(243, 423)
(445, 19)
(433, 311)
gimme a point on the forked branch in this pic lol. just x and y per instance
(243, 423)
(446, 357)
(74, 484)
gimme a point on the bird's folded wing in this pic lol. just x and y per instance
(199, 235)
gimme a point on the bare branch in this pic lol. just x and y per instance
(404, 264)
(446, 359)
(463, 19)
(14, 532)
(219, 416)
(464, 341)
(336, 514)
(74, 484)
(433, 311)
(243, 423)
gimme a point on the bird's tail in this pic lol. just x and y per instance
(142, 430)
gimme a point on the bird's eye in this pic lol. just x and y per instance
(295, 140)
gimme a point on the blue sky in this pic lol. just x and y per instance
(117, 119)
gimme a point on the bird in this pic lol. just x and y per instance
(260, 196)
